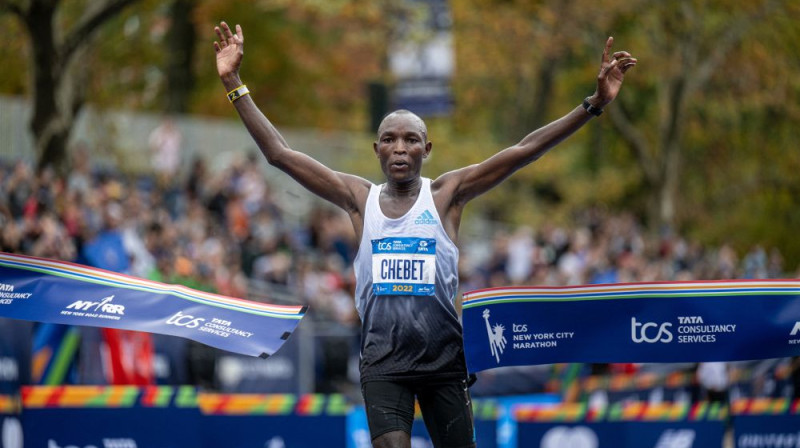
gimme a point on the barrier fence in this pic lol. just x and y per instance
(133, 417)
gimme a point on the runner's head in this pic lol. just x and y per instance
(402, 145)
(403, 113)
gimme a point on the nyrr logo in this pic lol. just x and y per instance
(650, 332)
(426, 218)
(185, 320)
(497, 342)
(796, 329)
(103, 306)
(566, 437)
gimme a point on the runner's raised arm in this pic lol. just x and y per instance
(476, 179)
(342, 189)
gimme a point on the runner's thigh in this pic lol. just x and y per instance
(389, 406)
(447, 411)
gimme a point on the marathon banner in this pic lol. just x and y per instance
(168, 417)
(109, 417)
(49, 291)
(633, 424)
(645, 322)
(766, 422)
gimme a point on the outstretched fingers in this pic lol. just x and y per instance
(222, 41)
(607, 49)
(626, 63)
(621, 54)
(239, 33)
(226, 30)
(226, 36)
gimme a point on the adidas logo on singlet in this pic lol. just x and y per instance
(426, 217)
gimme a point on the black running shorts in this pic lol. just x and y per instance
(445, 404)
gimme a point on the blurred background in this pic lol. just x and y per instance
(119, 149)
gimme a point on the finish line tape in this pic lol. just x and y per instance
(50, 291)
(728, 320)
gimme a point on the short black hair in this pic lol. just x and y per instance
(423, 126)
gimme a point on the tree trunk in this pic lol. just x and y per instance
(660, 155)
(59, 80)
(69, 93)
(181, 42)
(542, 100)
(52, 149)
(44, 122)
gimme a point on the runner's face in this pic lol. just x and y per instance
(401, 146)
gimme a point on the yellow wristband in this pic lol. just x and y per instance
(237, 93)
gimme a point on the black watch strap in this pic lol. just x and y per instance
(591, 109)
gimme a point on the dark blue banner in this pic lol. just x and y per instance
(273, 420)
(621, 434)
(131, 427)
(167, 417)
(274, 431)
(110, 417)
(50, 291)
(632, 424)
(767, 431)
(648, 322)
(766, 422)
(15, 355)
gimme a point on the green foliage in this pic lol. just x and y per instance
(128, 61)
(307, 62)
(14, 53)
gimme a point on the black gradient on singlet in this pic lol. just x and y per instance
(404, 337)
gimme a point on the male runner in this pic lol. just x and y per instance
(406, 267)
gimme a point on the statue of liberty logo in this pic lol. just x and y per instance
(497, 342)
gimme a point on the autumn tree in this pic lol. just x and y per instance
(181, 42)
(518, 59)
(58, 75)
(514, 57)
(307, 62)
(690, 43)
(521, 64)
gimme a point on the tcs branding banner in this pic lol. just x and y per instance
(621, 434)
(632, 424)
(646, 322)
(766, 423)
(50, 291)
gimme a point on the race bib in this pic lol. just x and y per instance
(404, 266)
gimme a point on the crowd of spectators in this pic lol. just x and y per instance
(222, 230)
